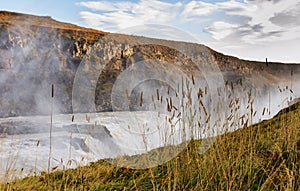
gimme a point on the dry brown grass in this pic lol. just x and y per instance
(264, 156)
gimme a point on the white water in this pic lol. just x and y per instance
(25, 148)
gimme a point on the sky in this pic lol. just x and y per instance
(248, 29)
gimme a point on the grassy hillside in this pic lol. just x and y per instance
(264, 156)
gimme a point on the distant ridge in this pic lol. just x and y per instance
(14, 18)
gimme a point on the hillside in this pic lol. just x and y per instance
(265, 156)
(39, 51)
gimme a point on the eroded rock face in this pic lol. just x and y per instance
(36, 54)
(148, 54)
(32, 58)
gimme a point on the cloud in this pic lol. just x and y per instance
(230, 22)
(160, 32)
(263, 21)
(237, 33)
(107, 6)
(273, 1)
(198, 8)
(219, 30)
(116, 16)
(287, 18)
(111, 21)
(233, 7)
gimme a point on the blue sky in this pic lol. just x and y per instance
(249, 29)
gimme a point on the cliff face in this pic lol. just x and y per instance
(36, 52)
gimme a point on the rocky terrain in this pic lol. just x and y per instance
(36, 52)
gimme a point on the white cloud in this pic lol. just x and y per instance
(258, 26)
(116, 16)
(110, 21)
(125, 14)
(247, 23)
(198, 8)
(104, 5)
(287, 18)
(220, 29)
(233, 7)
(160, 32)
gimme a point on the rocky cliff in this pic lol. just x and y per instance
(36, 52)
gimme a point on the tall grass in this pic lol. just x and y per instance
(264, 156)
(51, 127)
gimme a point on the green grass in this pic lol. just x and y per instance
(264, 156)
